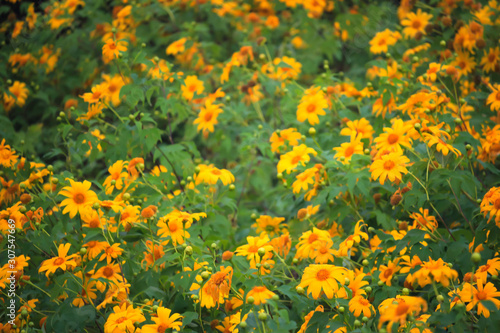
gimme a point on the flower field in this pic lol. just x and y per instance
(308, 166)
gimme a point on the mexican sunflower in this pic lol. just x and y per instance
(62, 261)
(390, 166)
(8, 156)
(290, 160)
(111, 50)
(163, 321)
(79, 197)
(123, 319)
(260, 294)
(207, 118)
(475, 296)
(311, 106)
(217, 288)
(322, 278)
(211, 175)
(397, 310)
(415, 23)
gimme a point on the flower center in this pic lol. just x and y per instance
(312, 238)
(497, 203)
(388, 165)
(216, 172)
(192, 87)
(322, 275)
(387, 273)
(59, 261)
(296, 159)
(173, 227)
(311, 108)
(218, 278)
(121, 320)
(392, 138)
(482, 295)
(492, 57)
(416, 24)
(162, 328)
(349, 151)
(498, 96)
(208, 116)
(253, 248)
(402, 309)
(108, 272)
(79, 198)
(94, 223)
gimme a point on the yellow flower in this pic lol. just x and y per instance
(347, 149)
(359, 127)
(387, 272)
(435, 270)
(79, 197)
(383, 39)
(211, 175)
(111, 252)
(217, 288)
(123, 319)
(493, 99)
(415, 23)
(289, 135)
(311, 105)
(394, 137)
(475, 297)
(8, 157)
(192, 85)
(18, 95)
(490, 59)
(396, 310)
(164, 321)
(390, 166)
(268, 225)
(322, 278)
(260, 294)
(207, 117)
(62, 261)
(304, 179)
(118, 175)
(177, 47)
(111, 50)
(290, 160)
(359, 305)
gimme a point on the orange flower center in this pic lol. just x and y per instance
(387, 273)
(112, 45)
(253, 248)
(216, 172)
(462, 64)
(162, 328)
(388, 165)
(312, 238)
(402, 309)
(96, 95)
(416, 24)
(121, 320)
(79, 198)
(349, 151)
(392, 138)
(218, 278)
(108, 272)
(208, 116)
(492, 57)
(498, 96)
(482, 295)
(322, 274)
(192, 87)
(59, 261)
(109, 250)
(497, 203)
(381, 42)
(173, 227)
(296, 159)
(311, 108)
(323, 250)
(91, 244)
(94, 223)
(112, 88)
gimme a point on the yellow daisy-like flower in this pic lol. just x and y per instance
(260, 294)
(347, 149)
(311, 105)
(207, 117)
(415, 23)
(79, 197)
(177, 47)
(322, 278)
(165, 320)
(268, 225)
(290, 160)
(390, 166)
(123, 319)
(211, 175)
(8, 157)
(62, 261)
(191, 86)
(493, 99)
(111, 50)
